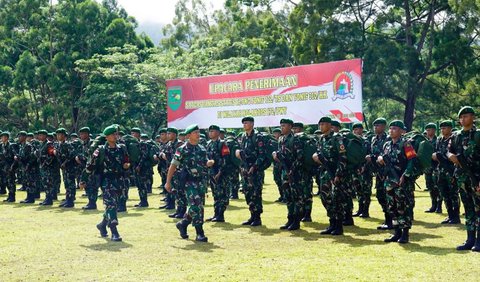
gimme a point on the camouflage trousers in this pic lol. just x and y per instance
(277, 177)
(308, 192)
(112, 187)
(447, 185)
(93, 182)
(400, 202)
(334, 196)
(323, 180)
(57, 180)
(433, 189)
(47, 181)
(294, 189)
(69, 178)
(144, 182)
(471, 202)
(7, 180)
(125, 184)
(350, 191)
(195, 193)
(233, 180)
(381, 193)
(362, 183)
(252, 185)
(220, 193)
(21, 175)
(31, 180)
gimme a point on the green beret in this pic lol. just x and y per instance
(298, 124)
(446, 123)
(191, 129)
(109, 130)
(325, 119)
(318, 131)
(182, 133)
(144, 136)
(397, 123)
(276, 130)
(85, 129)
(30, 134)
(380, 121)
(431, 125)
(357, 125)
(231, 133)
(5, 133)
(214, 127)
(121, 132)
(163, 130)
(22, 133)
(286, 121)
(73, 134)
(336, 123)
(42, 131)
(172, 130)
(222, 130)
(344, 130)
(136, 129)
(51, 134)
(466, 110)
(157, 136)
(248, 118)
(61, 130)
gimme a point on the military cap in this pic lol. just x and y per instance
(61, 130)
(182, 133)
(85, 129)
(51, 134)
(380, 121)
(397, 123)
(5, 133)
(73, 134)
(344, 130)
(157, 136)
(446, 123)
(248, 118)
(144, 136)
(466, 110)
(357, 125)
(214, 127)
(191, 129)
(163, 130)
(22, 133)
(121, 132)
(172, 130)
(298, 124)
(136, 129)
(325, 119)
(231, 133)
(222, 130)
(336, 123)
(431, 125)
(286, 121)
(42, 131)
(109, 130)
(276, 130)
(30, 134)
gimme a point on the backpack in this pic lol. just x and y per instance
(133, 149)
(232, 145)
(356, 151)
(309, 148)
(423, 148)
(271, 145)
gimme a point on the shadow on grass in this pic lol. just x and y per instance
(434, 225)
(108, 246)
(199, 247)
(431, 250)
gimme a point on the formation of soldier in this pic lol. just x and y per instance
(343, 164)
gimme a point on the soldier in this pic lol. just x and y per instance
(446, 181)
(143, 171)
(7, 166)
(114, 160)
(331, 154)
(57, 179)
(253, 155)
(362, 178)
(27, 159)
(21, 141)
(464, 152)
(222, 134)
(181, 137)
(48, 164)
(66, 154)
(290, 155)
(193, 158)
(377, 142)
(430, 175)
(232, 166)
(297, 127)
(218, 151)
(398, 159)
(336, 126)
(277, 170)
(162, 164)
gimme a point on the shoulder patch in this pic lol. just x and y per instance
(409, 151)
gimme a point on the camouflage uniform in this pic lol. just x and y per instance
(48, 165)
(178, 194)
(144, 173)
(29, 163)
(219, 152)
(431, 182)
(362, 181)
(277, 177)
(232, 170)
(66, 156)
(162, 166)
(7, 170)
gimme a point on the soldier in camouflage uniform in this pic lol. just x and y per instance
(27, 160)
(65, 153)
(218, 151)
(446, 181)
(430, 174)
(362, 178)
(277, 170)
(143, 171)
(464, 152)
(57, 178)
(32, 138)
(331, 155)
(232, 167)
(93, 179)
(7, 166)
(294, 177)
(377, 148)
(192, 157)
(114, 161)
(398, 159)
(162, 164)
(48, 164)
(253, 155)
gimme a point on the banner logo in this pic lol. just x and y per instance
(174, 98)
(343, 86)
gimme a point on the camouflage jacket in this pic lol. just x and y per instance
(66, 155)
(46, 156)
(441, 150)
(376, 149)
(218, 151)
(193, 160)
(290, 152)
(467, 145)
(332, 154)
(399, 159)
(252, 150)
(7, 154)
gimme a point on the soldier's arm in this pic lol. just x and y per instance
(298, 148)
(342, 158)
(411, 156)
(261, 152)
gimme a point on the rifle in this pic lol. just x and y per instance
(388, 170)
(466, 169)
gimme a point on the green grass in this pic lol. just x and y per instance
(50, 243)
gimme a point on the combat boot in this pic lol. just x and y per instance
(102, 227)
(468, 245)
(438, 209)
(360, 210)
(257, 220)
(433, 207)
(3, 191)
(29, 200)
(455, 218)
(181, 212)
(330, 228)
(182, 227)
(234, 195)
(288, 223)
(200, 234)
(338, 228)
(395, 237)
(249, 221)
(69, 203)
(307, 216)
(142, 204)
(476, 247)
(215, 214)
(365, 211)
(47, 202)
(90, 206)
(348, 221)
(37, 195)
(449, 215)
(405, 236)
(113, 228)
(220, 216)
(296, 223)
(387, 225)
(10, 199)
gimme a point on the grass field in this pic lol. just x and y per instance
(50, 243)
